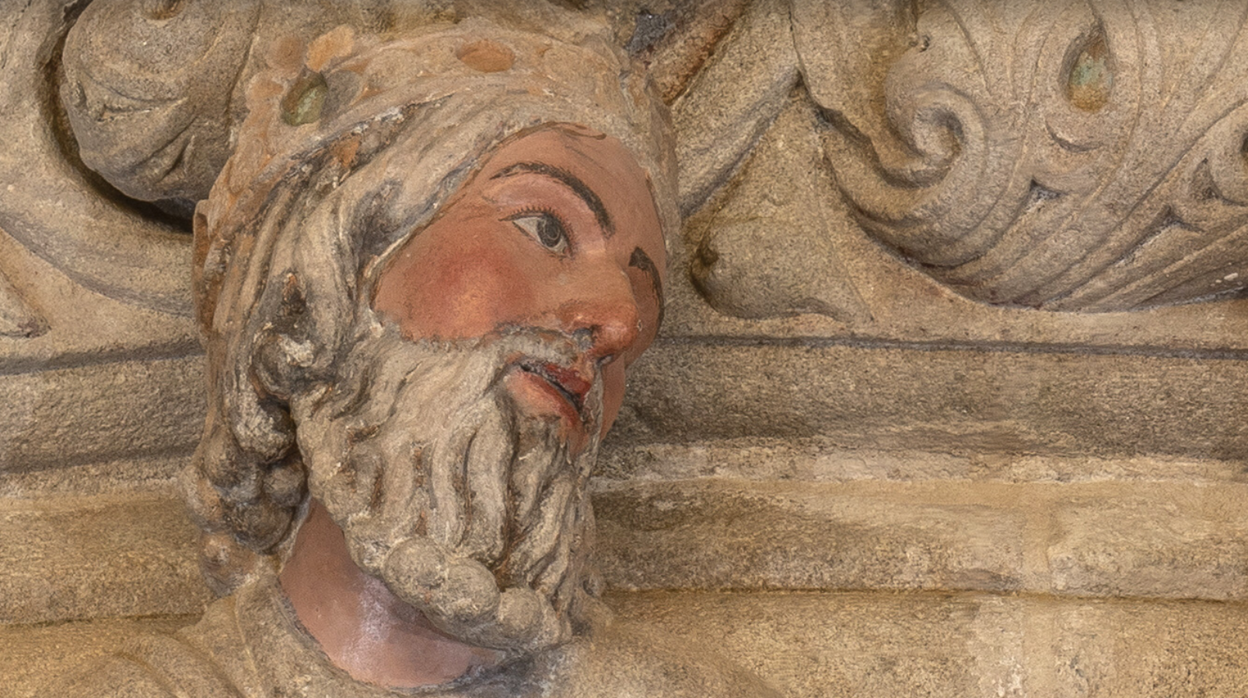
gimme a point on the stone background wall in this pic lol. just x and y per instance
(948, 400)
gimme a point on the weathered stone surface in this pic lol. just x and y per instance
(1152, 541)
(733, 99)
(964, 646)
(1081, 157)
(32, 655)
(79, 325)
(870, 645)
(128, 476)
(716, 535)
(934, 398)
(819, 460)
(91, 557)
(1123, 648)
(56, 209)
(133, 552)
(17, 318)
(1144, 539)
(98, 412)
(769, 252)
(861, 644)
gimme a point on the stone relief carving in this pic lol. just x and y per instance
(1060, 408)
(65, 214)
(1085, 168)
(426, 246)
(17, 318)
(1070, 156)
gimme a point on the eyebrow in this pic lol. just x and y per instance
(642, 261)
(569, 180)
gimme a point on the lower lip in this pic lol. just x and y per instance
(536, 392)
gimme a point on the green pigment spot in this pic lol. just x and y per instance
(1090, 78)
(303, 104)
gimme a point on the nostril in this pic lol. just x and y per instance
(602, 315)
(584, 338)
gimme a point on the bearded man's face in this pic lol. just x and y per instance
(455, 448)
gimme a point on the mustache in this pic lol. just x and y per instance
(466, 508)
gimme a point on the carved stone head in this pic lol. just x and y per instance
(420, 276)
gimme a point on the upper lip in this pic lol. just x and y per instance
(569, 382)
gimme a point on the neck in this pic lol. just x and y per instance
(364, 628)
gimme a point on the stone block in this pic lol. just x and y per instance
(819, 460)
(1163, 540)
(1178, 540)
(102, 411)
(868, 645)
(964, 645)
(32, 655)
(709, 534)
(936, 398)
(1130, 649)
(89, 557)
(123, 477)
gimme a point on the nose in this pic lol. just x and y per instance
(600, 303)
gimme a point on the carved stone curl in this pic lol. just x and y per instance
(1069, 156)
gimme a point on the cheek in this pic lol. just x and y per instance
(456, 288)
(612, 394)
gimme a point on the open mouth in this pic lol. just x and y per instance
(567, 383)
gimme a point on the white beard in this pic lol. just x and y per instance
(468, 509)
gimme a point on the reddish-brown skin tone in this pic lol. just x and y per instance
(559, 232)
(472, 271)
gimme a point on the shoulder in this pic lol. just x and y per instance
(630, 659)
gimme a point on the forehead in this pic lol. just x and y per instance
(572, 146)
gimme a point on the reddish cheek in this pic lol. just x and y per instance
(458, 291)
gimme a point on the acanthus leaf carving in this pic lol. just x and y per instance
(1068, 156)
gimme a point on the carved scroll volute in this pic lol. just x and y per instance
(1070, 156)
(913, 150)
(152, 113)
(846, 51)
(51, 206)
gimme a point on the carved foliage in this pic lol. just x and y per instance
(54, 208)
(1069, 155)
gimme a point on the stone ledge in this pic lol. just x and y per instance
(818, 460)
(709, 534)
(128, 476)
(1154, 540)
(867, 645)
(964, 645)
(94, 413)
(90, 557)
(1187, 542)
(30, 656)
(133, 553)
(938, 398)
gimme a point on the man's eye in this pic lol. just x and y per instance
(544, 228)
